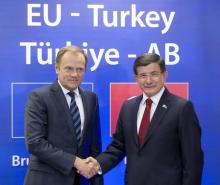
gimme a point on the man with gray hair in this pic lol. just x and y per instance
(62, 126)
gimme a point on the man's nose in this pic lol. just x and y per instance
(148, 79)
(74, 73)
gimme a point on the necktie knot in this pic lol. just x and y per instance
(71, 94)
(149, 102)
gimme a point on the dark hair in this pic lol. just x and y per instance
(147, 59)
(72, 49)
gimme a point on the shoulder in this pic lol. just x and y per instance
(180, 102)
(87, 93)
(88, 96)
(132, 101)
(42, 90)
(44, 93)
(177, 99)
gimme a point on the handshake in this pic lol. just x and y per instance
(87, 167)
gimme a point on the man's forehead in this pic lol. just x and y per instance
(149, 67)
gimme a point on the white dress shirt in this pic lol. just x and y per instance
(78, 100)
(155, 99)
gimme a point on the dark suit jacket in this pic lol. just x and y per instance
(171, 152)
(51, 140)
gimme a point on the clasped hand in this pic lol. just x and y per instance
(87, 167)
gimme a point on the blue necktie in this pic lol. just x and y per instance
(74, 111)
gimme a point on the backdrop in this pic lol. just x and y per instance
(185, 33)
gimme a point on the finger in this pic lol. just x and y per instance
(89, 159)
(93, 170)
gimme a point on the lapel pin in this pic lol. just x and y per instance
(164, 106)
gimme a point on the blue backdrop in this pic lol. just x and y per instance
(185, 33)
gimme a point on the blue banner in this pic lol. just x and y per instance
(113, 33)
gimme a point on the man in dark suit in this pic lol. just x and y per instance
(56, 145)
(167, 151)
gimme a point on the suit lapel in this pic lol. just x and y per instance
(62, 106)
(159, 113)
(133, 116)
(85, 107)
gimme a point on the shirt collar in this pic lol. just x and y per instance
(65, 91)
(155, 98)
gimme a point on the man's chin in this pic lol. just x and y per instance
(73, 87)
(149, 93)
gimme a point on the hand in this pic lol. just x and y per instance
(85, 167)
(94, 162)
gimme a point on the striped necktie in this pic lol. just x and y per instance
(74, 111)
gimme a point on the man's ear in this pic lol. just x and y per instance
(165, 74)
(135, 78)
